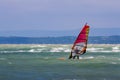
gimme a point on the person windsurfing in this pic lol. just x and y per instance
(80, 44)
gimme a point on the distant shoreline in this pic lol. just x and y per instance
(59, 40)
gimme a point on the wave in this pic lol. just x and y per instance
(113, 49)
(90, 57)
(113, 63)
(9, 62)
(41, 46)
(58, 48)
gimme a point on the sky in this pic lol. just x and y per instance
(55, 17)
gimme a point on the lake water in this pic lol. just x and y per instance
(50, 62)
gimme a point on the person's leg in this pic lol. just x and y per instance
(77, 56)
(74, 57)
(70, 56)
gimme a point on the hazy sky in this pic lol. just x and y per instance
(28, 15)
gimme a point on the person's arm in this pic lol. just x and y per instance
(83, 50)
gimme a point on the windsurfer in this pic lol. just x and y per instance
(76, 52)
(80, 44)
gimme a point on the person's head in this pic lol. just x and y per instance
(85, 46)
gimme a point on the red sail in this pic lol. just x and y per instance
(83, 35)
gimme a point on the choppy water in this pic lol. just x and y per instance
(50, 62)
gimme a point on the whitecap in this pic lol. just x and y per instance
(90, 57)
(67, 50)
(113, 63)
(38, 46)
(94, 49)
(106, 51)
(35, 50)
(102, 56)
(32, 50)
(115, 48)
(20, 51)
(57, 49)
(12, 51)
(39, 50)
(54, 50)
(65, 45)
(9, 62)
(6, 51)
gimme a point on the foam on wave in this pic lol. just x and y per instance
(62, 48)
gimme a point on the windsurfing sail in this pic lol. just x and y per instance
(81, 41)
